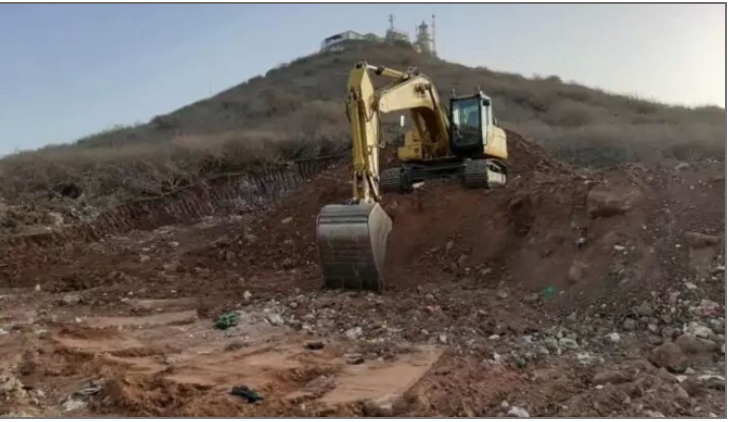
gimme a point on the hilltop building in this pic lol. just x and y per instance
(423, 43)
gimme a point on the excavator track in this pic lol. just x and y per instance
(485, 174)
(352, 241)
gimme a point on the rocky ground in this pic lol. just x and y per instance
(567, 293)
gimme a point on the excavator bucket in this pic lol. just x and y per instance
(352, 241)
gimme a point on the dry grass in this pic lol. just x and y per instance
(297, 111)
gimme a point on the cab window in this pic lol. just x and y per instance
(467, 121)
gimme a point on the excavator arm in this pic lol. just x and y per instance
(352, 237)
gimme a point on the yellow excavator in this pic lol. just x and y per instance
(461, 142)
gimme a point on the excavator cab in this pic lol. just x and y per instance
(471, 118)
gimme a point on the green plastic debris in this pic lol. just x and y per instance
(549, 291)
(226, 320)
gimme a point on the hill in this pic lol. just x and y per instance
(296, 110)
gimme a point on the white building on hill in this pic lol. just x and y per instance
(332, 41)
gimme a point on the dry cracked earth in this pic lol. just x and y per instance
(567, 293)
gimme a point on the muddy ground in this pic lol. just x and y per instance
(567, 293)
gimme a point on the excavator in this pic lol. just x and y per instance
(462, 142)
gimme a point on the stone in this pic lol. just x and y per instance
(609, 377)
(144, 258)
(247, 295)
(275, 319)
(250, 237)
(450, 245)
(629, 324)
(494, 337)
(669, 356)
(287, 220)
(655, 340)
(568, 343)
(700, 331)
(645, 309)
(384, 407)
(669, 333)
(693, 345)
(354, 359)
(71, 299)
(612, 338)
(577, 271)
(682, 394)
(353, 333)
(314, 345)
(605, 201)
(71, 405)
(531, 298)
(517, 412)
(462, 260)
(698, 240)
(654, 414)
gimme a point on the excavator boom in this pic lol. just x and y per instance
(352, 237)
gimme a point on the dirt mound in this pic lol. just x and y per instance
(575, 237)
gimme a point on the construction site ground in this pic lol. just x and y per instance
(567, 293)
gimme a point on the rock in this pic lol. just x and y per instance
(71, 405)
(568, 343)
(144, 258)
(501, 294)
(682, 394)
(606, 201)
(450, 245)
(654, 414)
(353, 333)
(612, 338)
(55, 218)
(690, 286)
(723, 349)
(386, 406)
(443, 338)
(577, 271)
(71, 299)
(531, 298)
(698, 240)
(249, 237)
(609, 377)
(692, 345)
(354, 359)
(653, 328)
(462, 260)
(717, 325)
(293, 305)
(287, 220)
(669, 333)
(669, 356)
(517, 412)
(700, 331)
(629, 324)
(618, 248)
(275, 319)
(714, 382)
(504, 404)
(655, 340)
(645, 309)
(314, 345)
(494, 337)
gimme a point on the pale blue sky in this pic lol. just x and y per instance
(70, 70)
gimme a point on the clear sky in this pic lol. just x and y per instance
(67, 71)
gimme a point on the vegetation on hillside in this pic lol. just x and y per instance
(297, 110)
